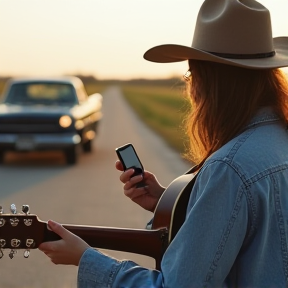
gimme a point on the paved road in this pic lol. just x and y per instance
(89, 193)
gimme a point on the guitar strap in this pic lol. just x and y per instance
(195, 168)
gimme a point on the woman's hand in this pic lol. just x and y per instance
(147, 197)
(66, 251)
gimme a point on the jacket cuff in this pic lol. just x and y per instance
(96, 270)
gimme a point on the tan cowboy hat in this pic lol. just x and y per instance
(233, 32)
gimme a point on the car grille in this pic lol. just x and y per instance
(30, 126)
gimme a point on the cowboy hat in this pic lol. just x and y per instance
(232, 32)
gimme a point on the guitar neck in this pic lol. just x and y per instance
(26, 231)
(151, 243)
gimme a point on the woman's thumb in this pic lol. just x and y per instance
(57, 228)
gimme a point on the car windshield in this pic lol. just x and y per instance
(46, 93)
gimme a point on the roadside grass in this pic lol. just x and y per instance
(97, 87)
(162, 108)
(2, 85)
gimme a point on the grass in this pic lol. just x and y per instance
(97, 87)
(162, 108)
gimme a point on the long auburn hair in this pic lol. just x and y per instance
(223, 99)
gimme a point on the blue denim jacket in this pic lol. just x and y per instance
(236, 229)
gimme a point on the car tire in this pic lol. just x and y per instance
(2, 156)
(71, 156)
(87, 146)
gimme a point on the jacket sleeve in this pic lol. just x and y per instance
(97, 270)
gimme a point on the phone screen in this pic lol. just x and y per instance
(127, 155)
(130, 158)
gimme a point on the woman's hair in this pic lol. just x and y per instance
(223, 100)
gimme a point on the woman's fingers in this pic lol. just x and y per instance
(126, 175)
(132, 182)
(119, 165)
(134, 193)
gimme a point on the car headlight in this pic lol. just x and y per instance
(79, 124)
(65, 121)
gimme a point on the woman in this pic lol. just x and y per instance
(236, 229)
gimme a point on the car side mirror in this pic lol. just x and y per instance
(95, 100)
(96, 97)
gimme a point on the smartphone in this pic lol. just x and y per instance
(129, 159)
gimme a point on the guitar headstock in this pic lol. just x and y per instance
(22, 231)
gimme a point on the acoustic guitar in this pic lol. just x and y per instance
(25, 231)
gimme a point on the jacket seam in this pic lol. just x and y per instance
(281, 226)
(226, 233)
(246, 134)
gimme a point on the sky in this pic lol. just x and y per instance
(103, 38)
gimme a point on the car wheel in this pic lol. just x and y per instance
(87, 146)
(71, 156)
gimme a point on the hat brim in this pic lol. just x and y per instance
(169, 53)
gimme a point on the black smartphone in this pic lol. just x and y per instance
(129, 159)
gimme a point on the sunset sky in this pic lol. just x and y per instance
(104, 38)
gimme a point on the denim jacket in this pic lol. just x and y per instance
(236, 228)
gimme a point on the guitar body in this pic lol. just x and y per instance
(26, 231)
(170, 211)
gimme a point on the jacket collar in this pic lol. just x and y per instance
(263, 116)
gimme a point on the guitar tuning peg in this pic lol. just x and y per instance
(12, 253)
(25, 209)
(1, 210)
(26, 253)
(13, 209)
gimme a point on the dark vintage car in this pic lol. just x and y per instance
(48, 114)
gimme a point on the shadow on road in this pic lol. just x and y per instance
(44, 159)
(23, 170)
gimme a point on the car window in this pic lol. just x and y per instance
(41, 93)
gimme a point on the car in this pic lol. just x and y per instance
(55, 113)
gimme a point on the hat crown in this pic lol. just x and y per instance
(233, 27)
